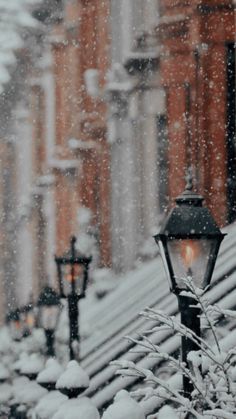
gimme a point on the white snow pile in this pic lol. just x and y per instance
(53, 370)
(27, 392)
(167, 412)
(14, 17)
(32, 364)
(73, 377)
(20, 362)
(4, 373)
(104, 282)
(80, 408)
(124, 407)
(5, 339)
(49, 404)
(18, 383)
(33, 343)
(31, 393)
(5, 393)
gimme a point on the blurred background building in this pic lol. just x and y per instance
(106, 105)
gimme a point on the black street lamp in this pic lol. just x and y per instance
(13, 320)
(72, 284)
(49, 309)
(189, 242)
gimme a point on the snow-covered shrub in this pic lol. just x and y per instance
(211, 369)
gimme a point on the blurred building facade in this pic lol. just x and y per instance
(71, 158)
(113, 101)
(198, 74)
(136, 104)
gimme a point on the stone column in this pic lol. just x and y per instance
(124, 180)
(24, 182)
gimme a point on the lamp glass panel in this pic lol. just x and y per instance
(67, 276)
(28, 319)
(191, 258)
(49, 317)
(166, 267)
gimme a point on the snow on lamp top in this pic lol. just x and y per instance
(31, 364)
(81, 408)
(51, 373)
(29, 393)
(167, 412)
(73, 377)
(4, 373)
(49, 404)
(124, 407)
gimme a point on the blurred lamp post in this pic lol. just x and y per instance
(189, 242)
(49, 310)
(15, 324)
(27, 316)
(72, 269)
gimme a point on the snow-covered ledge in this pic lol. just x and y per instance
(75, 144)
(45, 181)
(64, 165)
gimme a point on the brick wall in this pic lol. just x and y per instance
(194, 35)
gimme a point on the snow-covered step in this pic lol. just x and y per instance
(170, 345)
(145, 287)
(126, 322)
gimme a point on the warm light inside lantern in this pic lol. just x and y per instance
(17, 324)
(189, 258)
(30, 320)
(189, 251)
(70, 272)
(72, 277)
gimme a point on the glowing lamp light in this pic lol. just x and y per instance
(188, 253)
(189, 242)
(72, 270)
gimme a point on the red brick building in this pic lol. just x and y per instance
(79, 41)
(198, 73)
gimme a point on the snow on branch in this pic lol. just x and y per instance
(211, 370)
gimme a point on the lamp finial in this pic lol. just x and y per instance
(189, 179)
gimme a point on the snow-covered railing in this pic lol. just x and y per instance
(126, 320)
(138, 289)
(110, 344)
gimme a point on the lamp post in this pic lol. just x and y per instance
(189, 242)
(49, 309)
(72, 284)
(27, 316)
(15, 325)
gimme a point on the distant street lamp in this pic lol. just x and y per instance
(15, 325)
(72, 269)
(28, 320)
(189, 242)
(49, 309)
